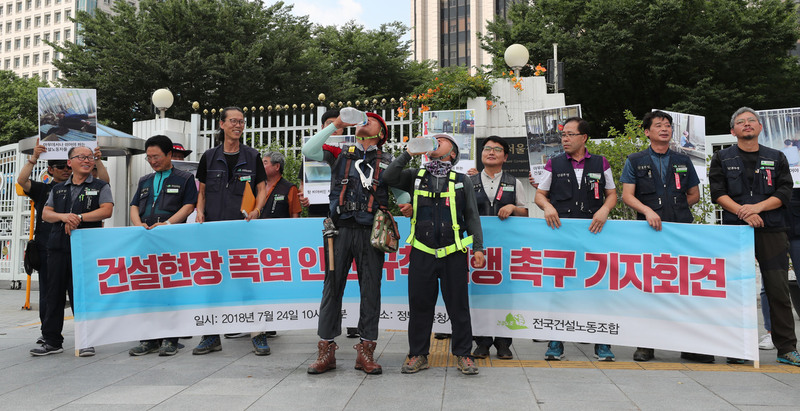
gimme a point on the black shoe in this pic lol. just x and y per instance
(441, 336)
(481, 351)
(237, 335)
(701, 358)
(46, 349)
(40, 340)
(503, 350)
(732, 360)
(352, 332)
(644, 354)
(271, 333)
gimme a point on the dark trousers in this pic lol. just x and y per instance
(42, 271)
(772, 255)
(488, 341)
(59, 285)
(352, 243)
(425, 273)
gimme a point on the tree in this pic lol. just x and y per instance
(225, 52)
(704, 57)
(18, 107)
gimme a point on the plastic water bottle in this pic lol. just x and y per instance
(422, 145)
(351, 115)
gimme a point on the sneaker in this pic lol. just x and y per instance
(555, 351)
(260, 346)
(40, 340)
(144, 347)
(167, 349)
(466, 365)
(503, 349)
(791, 358)
(415, 364)
(86, 352)
(644, 354)
(208, 343)
(481, 351)
(46, 349)
(701, 358)
(603, 352)
(237, 335)
(766, 343)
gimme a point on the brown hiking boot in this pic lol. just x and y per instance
(364, 361)
(326, 359)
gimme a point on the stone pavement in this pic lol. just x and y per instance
(235, 379)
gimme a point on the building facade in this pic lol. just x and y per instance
(446, 30)
(26, 26)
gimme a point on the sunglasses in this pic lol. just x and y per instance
(61, 167)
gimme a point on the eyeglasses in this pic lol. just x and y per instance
(61, 167)
(495, 149)
(570, 135)
(152, 159)
(82, 157)
(234, 121)
(741, 121)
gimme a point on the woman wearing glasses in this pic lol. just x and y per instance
(224, 173)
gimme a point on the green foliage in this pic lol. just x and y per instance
(227, 52)
(682, 55)
(18, 107)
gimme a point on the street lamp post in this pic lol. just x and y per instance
(516, 57)
(163, 99)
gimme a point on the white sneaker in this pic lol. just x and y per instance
(766, 343)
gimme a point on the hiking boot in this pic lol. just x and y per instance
(503, 349)
(352, 332)
(144, 347)
(326, 358)
(766, 343)
(791, 358)
(167, 349)
(644, 354)
(364, 360)
(555, 351)
(701, 358)
(466, 365)
(86, 352)
(603, 352)
(481, 351)
(260, 346)
(208, 343)
(415, 364)
(46, 349)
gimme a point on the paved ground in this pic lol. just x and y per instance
(235, 379)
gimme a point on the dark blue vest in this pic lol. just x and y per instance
(507, 190)
(278, 201)
(169, 201)
(223, 192)
(88, 200)
(565, 196)
(665, 198)
(739, 188)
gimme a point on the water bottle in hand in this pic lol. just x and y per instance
(422, 145)
(351, 115)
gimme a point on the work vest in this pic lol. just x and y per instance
(169, 200)
(278, 201)
(667, 199)
(764, 185)
(565, 196)
(437, 223)
(506, 194)
(88, 200)
(223, 192)
(349, 199)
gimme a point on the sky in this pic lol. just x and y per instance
(369, 13)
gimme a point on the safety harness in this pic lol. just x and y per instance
(374, 185)
(450, 197)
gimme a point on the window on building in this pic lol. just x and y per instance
(58, 1)
(8, 27)
(37, 40)
(57, 17)
(37, 22)
(67, 14)
(27, 41)
(47, 3)
(46, 57)
(18, 25)
(16, 62)
(47, 36)
(28, 4)
(17, 43)
(67, 33)
(26, 61)
(7, 64)
(55, 74)
(25, 75)
(19, 7)
(9, 9)
(28, 23)
(8, 45)
(47, 19)
(38, 3)
(45, 75)
(36, 59)
(56, 36)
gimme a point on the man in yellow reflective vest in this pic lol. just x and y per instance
(444, 211)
